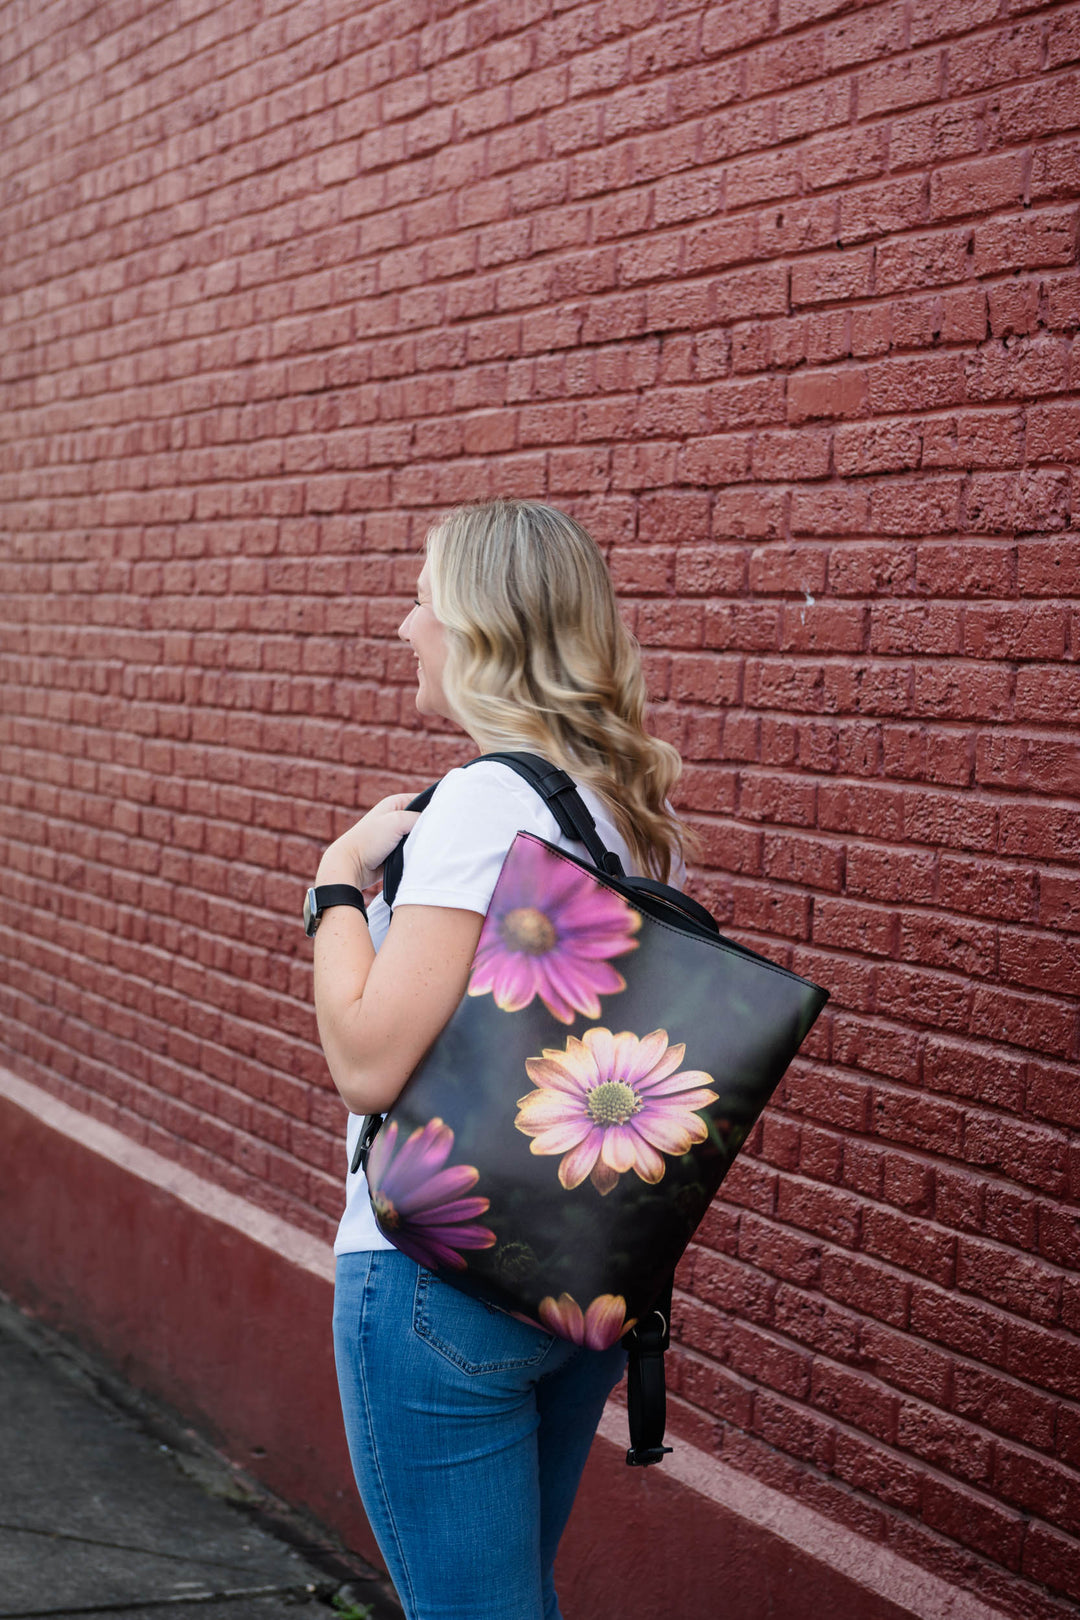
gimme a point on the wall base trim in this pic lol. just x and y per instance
(877, 1570)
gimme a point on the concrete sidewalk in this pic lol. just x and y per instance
(111, 1507)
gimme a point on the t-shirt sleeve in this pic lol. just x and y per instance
(455, 852)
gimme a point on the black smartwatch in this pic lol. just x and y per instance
(316, 901)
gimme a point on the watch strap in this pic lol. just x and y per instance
(336, 894)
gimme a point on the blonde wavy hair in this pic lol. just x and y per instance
(538, 659)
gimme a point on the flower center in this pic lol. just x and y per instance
(526, 929)
(385, 1213)
(612, 1103)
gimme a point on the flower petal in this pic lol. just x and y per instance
(657, 1058)
(459, 1209)
(603, 1177)
(436, 1189)
(580, 1160)
(548, 1108)
(549, 1073)
(619, 1150)
(515, 983)
(563, 1316)
(605, 1321)
(648, 1164)
(669, 1132)
(683, 1081)
(601, 1044)
(423, 1153)
(382, 1152)
(563, 1138)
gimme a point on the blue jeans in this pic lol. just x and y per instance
(468, 1433)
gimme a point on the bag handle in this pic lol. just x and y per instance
(562, 798)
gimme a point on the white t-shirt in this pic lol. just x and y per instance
(453, 857)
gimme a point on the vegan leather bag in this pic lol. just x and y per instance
(556, 1149)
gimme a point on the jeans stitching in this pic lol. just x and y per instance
(409, 1597)
(472, 1369)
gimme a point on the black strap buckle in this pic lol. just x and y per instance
(646, 1398)
(644, 1456)
(369, 1130)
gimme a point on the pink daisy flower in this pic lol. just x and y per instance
(599, 1327)
(611, 1103)
(418, 1203)
(550, 932)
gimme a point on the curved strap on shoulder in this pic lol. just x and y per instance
(562, 798)
(554, 787)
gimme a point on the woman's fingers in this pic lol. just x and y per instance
(377, 833)
(357, 856)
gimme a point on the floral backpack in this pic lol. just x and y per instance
(558, 1146)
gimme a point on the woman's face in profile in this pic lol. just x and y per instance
(427, 638)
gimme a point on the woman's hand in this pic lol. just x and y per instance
(357, 856)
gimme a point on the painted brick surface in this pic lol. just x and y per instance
(781, 298)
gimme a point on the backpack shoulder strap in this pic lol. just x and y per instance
(562, 798)
(557, 790)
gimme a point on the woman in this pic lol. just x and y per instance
(469, 1429)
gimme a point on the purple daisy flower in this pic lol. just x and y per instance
(550, 932)
(418, 1204)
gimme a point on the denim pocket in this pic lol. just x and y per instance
(475, 1337)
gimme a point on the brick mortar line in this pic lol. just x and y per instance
(789, 144)
(807, 1403)
(368, 346)
(741, 54)
(986, 795)
(553, 257)
(874, 1380)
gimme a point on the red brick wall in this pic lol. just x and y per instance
(780, 297)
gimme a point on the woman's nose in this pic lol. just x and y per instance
(403, 627)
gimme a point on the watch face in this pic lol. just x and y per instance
(311, 914)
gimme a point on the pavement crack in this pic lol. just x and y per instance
(124, 1546)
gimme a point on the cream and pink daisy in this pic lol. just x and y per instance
(612, 1103)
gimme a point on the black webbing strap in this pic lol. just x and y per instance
(394, 864)
(646, 1397)
(562, 798)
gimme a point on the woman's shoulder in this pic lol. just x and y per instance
(492, 799)
(482, 783)
(479, 807)
(487, 786)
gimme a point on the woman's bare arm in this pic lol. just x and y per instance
(378, 1014)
